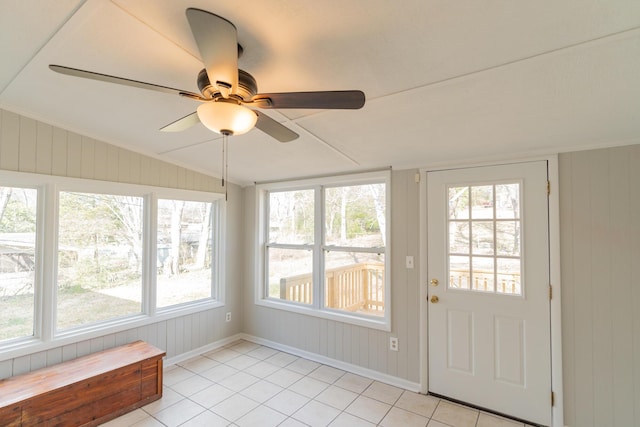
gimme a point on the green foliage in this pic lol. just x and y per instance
(18, 218)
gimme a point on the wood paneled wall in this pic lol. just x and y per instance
(27, 145)
(355, 345)
(600, 263)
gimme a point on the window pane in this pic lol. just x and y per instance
(354, 282)
(459, 237)
(459, 272)
(483, 276)
(99, 258)
(508, 238)
(459, 203)
(290, 274)
(508, 201)
(18, 207)
(184, 252)
(482, 201)
(509, 276)
(355, 216)
(291, 217)
(482, 237)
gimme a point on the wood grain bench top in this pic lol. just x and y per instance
(25, 386)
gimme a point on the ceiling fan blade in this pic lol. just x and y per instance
(338, 99)
(120, 80)
(274, 129)
(217, 41)
(183, 123)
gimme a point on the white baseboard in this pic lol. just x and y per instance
(354, 369)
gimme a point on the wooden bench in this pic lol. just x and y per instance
(86, 391)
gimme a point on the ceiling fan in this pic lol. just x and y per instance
(227, 91)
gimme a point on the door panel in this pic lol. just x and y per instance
(489, 323)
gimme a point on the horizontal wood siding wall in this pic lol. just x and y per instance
(27, 145)
(600, 262)
(357, 345)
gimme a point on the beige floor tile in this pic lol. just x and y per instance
(179, 413)
(316, 414)
(169, 398)
(238, 381)
(353, 382)
(199, 364)
(284, 377)
(303, 366)
(383, 392)
(418, 403)
(218, 373)
(327, 374)
(337, 397)
(262, 352)
(262, 369)
(212, 395)
(242, 362)
(369, 409)
(234, 407)
(175, 375)
(309, 387)
(222, 355)
(287, 402)
(191, 385)
(281, 359)
(262, 416)
(208, 419)
(487, 420)
(348, 420)
(455, 415)
(399, 417)
(261, 391)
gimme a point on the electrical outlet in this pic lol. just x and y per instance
(228, 317)
(393, 343)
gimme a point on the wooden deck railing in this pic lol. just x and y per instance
(356, 287)
(483, 281)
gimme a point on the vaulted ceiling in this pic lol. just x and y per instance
(446, 81)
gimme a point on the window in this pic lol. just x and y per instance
(484, 238)
(99, 258)
(18, 260)
(184, 267)
(81, 257)
(324, 247)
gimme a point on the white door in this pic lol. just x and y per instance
(488, 310)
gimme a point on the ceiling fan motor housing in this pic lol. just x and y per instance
(247, 85)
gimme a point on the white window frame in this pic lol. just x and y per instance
(45, 286)
(317, 308)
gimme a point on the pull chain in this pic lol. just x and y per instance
(225, 165)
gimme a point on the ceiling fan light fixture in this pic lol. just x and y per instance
(227, 117)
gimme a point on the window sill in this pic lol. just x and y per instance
(378, 323)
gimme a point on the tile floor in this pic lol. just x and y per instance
(245, 384)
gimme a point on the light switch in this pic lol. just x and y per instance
(409, 261)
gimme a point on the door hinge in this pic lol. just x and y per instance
(548, 187)
(550, 292)
(416, 177)
(553, 399)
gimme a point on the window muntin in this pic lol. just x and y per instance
(99, 274)
(485, 238)
(338, 267)
(184, 252)
(18, 260)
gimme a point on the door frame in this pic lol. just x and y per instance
(557, 417)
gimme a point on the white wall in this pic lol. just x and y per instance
(600, 258)
(30, 146)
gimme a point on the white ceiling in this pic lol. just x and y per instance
(446, 81)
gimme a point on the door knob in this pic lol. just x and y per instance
(434, 299)
(434, 282)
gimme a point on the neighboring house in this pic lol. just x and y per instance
(600, 249)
